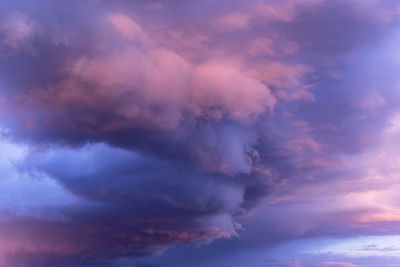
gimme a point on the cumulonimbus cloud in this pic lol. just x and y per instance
(162, 124)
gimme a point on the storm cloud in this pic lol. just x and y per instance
(181, 133)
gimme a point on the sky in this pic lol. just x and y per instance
(191, 133)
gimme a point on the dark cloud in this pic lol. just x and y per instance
(190, 122)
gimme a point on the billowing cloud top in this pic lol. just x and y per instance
(199, 133)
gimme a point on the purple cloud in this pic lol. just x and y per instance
(136, 132)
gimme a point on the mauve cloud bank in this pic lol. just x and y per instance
(199, 133)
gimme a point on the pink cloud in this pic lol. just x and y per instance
(234, 93)
(285, 78)
(160, 77)
(127, 27)
(16, 28)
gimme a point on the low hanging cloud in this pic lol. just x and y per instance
(153, 205)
